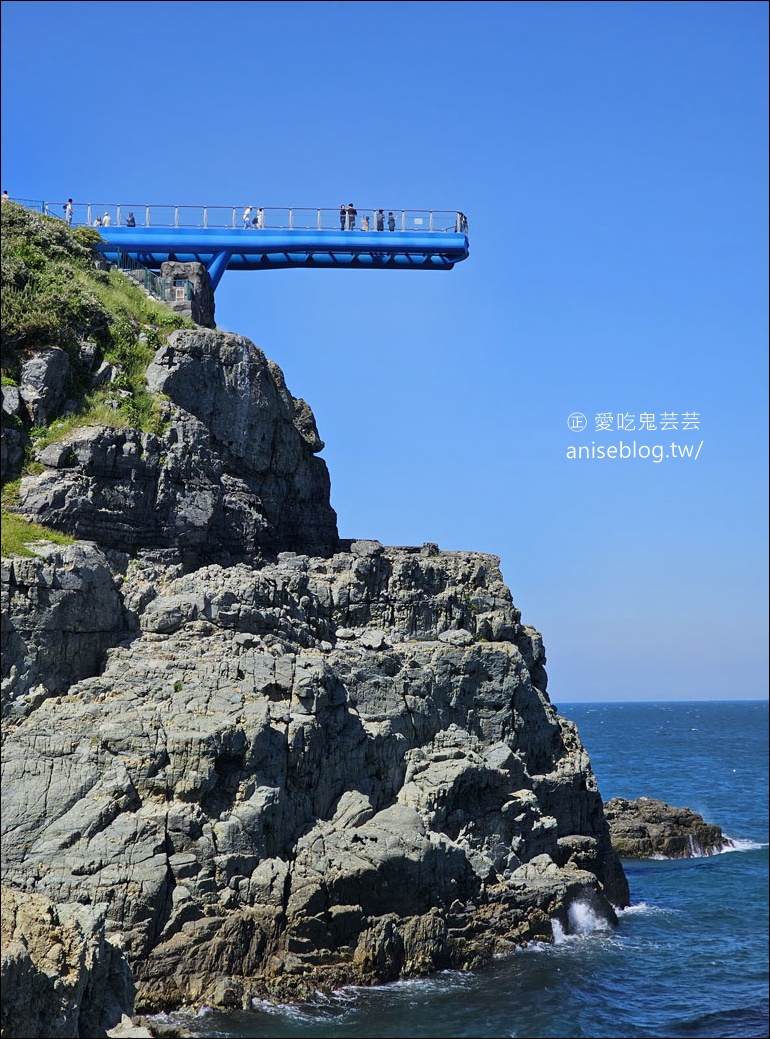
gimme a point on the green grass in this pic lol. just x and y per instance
(121, 296)
(54, 295)
(18, 535)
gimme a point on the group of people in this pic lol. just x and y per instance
(100, 221)
(257, 221)
(106, 220)
(349, 213)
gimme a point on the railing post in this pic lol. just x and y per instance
(234, 224)
(117, 215)
(320, 225)
(146, 216)
(205, 216)
(291, 218)
(176, 216)
(403, 220)
(89, 214)
(430, 220)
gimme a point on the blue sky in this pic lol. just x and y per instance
(612, 160)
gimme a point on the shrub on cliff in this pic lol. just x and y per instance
(54, 294)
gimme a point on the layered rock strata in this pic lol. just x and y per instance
(280, 760)
(313, 771)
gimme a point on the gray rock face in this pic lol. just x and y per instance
(200, 307)
(281, 761)
(13, 439)
(13, 443)
(11, 400)
(43, 383)
(61, 976)
(317, 770)
(649, 829)
(233, 475)
(60, 612)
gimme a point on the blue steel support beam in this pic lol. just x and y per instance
(221, 249)
(218, 266)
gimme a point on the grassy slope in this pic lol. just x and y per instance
(53, 295)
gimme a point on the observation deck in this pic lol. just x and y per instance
(251, 239)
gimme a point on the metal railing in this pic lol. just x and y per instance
(181, 290)
(253, 217)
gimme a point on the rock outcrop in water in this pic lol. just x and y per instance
(281, 760)
(647, 829)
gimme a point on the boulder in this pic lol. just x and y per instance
(43, 384)
(11, 400)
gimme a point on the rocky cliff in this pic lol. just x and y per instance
(279, 760)
(62, 976)
(234, 473)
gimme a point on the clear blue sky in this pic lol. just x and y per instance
(612, 160)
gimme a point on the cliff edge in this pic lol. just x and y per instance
(275, 760)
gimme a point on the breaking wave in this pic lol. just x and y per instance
(582, 919)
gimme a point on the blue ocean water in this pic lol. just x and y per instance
(690, 956)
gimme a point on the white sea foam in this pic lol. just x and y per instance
(740, 845)
(641, 909)
(701, 853)
(321, 1008)
(696, 852)
(559, 934)
(443, 981)
(342, 1002)
(582, 919)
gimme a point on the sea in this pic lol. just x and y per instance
(690, 955)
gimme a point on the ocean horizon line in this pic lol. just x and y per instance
(709, 700)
